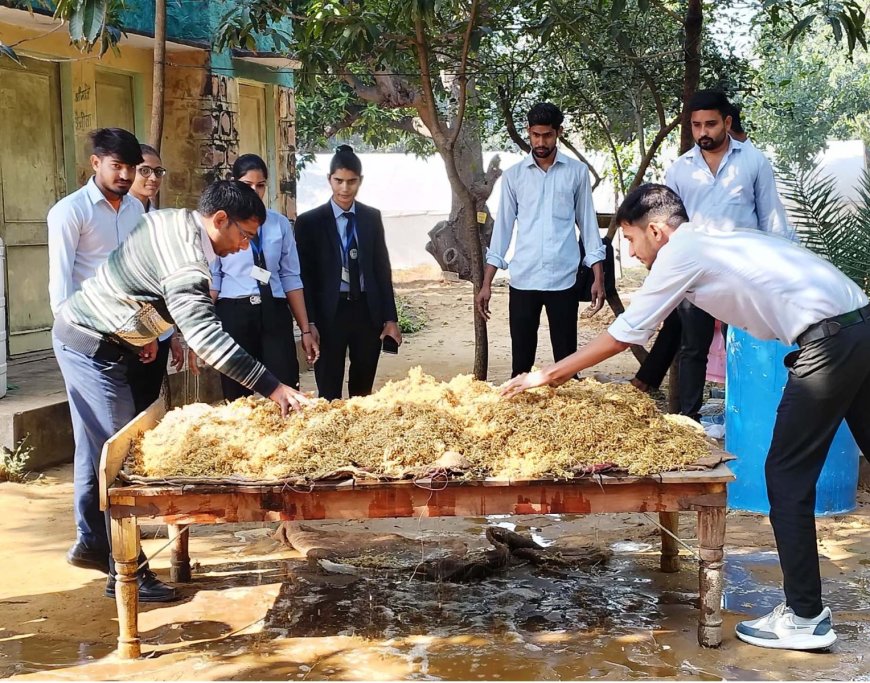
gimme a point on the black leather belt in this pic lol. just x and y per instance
(345, 296)
(830, 326)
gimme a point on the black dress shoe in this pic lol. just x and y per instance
(151, 589)
(86, 557)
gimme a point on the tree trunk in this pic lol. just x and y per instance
(156, 136)
(691, 77)
(692, 73)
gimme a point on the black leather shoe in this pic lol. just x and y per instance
(151, 589)
(85, 557)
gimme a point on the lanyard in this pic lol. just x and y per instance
(257, 249)
(350, 231)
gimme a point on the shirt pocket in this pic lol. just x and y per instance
(563, 204)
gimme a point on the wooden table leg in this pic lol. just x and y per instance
(711, 539)
(125, 551)
(670, 560)
(179, 569)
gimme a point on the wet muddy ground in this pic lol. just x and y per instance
(256, 610)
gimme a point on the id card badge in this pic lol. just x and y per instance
(345, 275)
(261, 275)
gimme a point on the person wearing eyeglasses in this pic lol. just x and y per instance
(149, 177)
(146, 378)
(256, 290)
(159, 276)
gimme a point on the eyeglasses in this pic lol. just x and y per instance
(146, 171)
(246, 236)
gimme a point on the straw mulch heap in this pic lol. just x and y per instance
(420, 425)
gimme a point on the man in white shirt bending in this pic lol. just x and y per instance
(83, 229)
(774, 289)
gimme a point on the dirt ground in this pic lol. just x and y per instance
(257, 611)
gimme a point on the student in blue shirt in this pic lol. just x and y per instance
(255, 291)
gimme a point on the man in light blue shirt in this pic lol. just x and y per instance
(726, 184)
(546, 196)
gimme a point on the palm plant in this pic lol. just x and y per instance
(826, 223)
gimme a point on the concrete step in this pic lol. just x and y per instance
(35, 411)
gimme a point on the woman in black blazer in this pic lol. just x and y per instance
(347, 281)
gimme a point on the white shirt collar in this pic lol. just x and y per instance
(207, 246)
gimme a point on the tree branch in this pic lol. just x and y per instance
(483, 189)
(463, 76)
(509, 123)
(428, 109)
(576, 152)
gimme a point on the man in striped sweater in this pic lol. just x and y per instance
(158, 276)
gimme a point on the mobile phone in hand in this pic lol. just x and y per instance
(390, 345)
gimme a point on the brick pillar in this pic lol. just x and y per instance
(285, 118)
(219, 148)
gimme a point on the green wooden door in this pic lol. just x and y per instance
(31, 181)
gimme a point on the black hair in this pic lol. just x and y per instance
(238, 200)
(148, 149)
(118, 143)
(249, 162)
(652, 201)
(546, 114)
(345, 158)
(736, 123)
(710, 99)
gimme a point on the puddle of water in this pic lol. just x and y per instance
(34, 653)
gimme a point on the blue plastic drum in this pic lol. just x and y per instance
(755, 378)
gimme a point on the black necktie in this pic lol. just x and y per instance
(260, 261)
(352, 255)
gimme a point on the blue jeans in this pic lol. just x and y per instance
(100, 403)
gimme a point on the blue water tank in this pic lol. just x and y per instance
(754, 379)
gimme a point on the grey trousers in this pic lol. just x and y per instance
(829, 380)
(100, 403)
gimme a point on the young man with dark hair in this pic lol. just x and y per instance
(736, 131)
(159, 275)
(546, 197)
(727, 184)
(83, 229)
(730, 274)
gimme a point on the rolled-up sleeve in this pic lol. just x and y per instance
(503, 229)
(587, 220)
(289, 271)
(673, 274)
(217, 274)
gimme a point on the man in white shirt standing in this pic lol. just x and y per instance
(83, 229)
(546, 195)
(728, 184)
(775, 290)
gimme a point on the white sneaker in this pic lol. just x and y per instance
(780, 630)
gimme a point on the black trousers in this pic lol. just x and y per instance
(146, 378)
(665, 348)
(265, 331)
(524, 310)
(828, 380)
(351, 333)
(697, 334)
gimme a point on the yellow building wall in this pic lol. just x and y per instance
(78, 92)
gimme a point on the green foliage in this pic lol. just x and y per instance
(827, 224)
(411, 318)
(13, 464)
(797, 18)
(92, 23)
(8, 52)
(801, 98)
